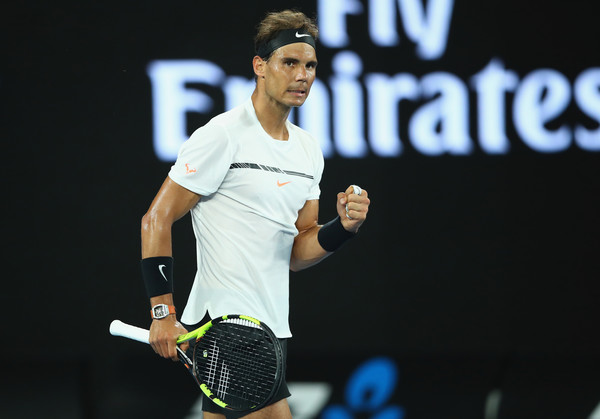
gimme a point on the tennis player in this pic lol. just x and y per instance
(251, 181)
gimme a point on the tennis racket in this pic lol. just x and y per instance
(236, 360)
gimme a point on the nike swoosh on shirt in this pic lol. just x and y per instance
(283, 184)
(160, 268)
(301, 35)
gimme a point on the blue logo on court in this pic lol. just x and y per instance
(367, 391)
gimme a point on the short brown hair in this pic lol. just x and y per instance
(274, 22)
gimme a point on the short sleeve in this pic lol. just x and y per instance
(315, 190)
(203, 160)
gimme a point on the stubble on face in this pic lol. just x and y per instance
(291, 71)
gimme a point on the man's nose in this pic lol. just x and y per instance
(301, 73)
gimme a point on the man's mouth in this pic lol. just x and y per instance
(297, 92)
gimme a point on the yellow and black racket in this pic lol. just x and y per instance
(236, 360)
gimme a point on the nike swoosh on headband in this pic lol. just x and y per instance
(284, 37)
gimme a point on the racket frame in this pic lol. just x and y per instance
(118, 328)
(197, 334)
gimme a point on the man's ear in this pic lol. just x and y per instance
(259, 66)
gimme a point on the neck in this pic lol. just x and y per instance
(272, 115)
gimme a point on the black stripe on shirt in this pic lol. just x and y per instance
(268, 169)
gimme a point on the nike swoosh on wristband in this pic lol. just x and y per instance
(301, 35)
(160, 268)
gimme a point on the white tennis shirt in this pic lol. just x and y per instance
(252, 188)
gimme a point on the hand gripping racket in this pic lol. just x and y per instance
(236, 360)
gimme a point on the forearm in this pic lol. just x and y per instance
(156, 245)
(170, 204)
(162, 299)
(156, 237)
(156, 259)
(307, 251)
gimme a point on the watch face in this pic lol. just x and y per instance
(161, 311)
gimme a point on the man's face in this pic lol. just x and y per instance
(290, 72)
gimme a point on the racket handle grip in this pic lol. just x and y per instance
(118, 328)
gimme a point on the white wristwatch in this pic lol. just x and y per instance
(160, 311)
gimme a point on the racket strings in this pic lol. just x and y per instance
(239, 364)
(243, 384)
(249, 362)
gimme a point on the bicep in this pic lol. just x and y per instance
(170, 204)
(172, 201)
(308, 216)
(307, 251)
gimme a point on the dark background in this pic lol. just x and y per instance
(472, 273)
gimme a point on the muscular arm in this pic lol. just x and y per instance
(170, 204)
(306, 250)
